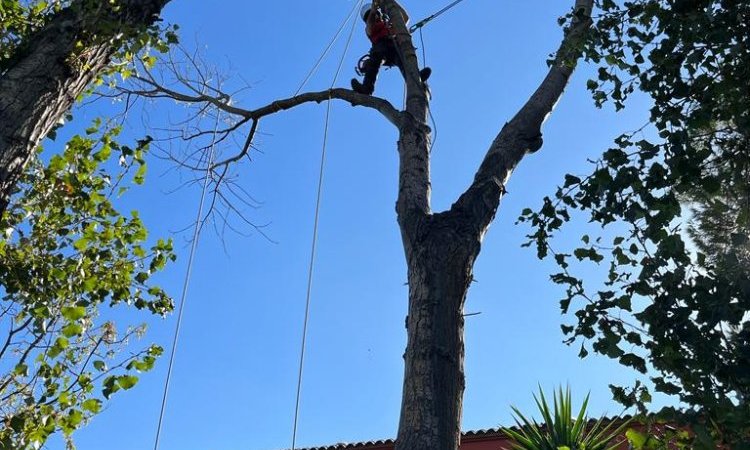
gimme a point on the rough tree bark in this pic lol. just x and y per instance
(440, 248)
(53, 67)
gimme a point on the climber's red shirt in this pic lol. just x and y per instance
(378, 30)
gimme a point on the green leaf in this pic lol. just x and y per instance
(61, 343)
(73, 312)
(81, 244)
(21, 370)
(92, 405)
(636, 438)
(110, 386)
(141, 277)
(72, 329)
(127, 381)
(140, 174)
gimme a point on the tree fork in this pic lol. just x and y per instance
(441, 248)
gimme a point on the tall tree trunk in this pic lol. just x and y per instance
(441, 248)
(440, 258)
(53, 67)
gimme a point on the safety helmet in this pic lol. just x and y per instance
(365, 11)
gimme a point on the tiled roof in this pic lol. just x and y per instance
(388, 443)
(468, 436)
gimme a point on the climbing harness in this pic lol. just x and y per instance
(362, 65)
(363, 61)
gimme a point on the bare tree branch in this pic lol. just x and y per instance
(186, 78)
(523, 135)
(223, 103)
(245, 148)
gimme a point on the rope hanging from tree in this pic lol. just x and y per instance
(196, 234)
(327, 49)
(317, 212)
(186, 284)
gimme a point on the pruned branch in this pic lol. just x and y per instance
(523, 134)
(543, 100)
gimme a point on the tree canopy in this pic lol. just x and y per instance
(671, 200)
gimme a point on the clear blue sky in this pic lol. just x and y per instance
(235, 374)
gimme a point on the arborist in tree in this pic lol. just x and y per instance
(384, 50)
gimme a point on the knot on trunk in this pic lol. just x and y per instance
(533, 141)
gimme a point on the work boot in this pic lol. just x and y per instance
(361, 88)
(424, 74)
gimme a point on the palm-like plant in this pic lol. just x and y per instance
(560, 430)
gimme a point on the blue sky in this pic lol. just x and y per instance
(235, 373)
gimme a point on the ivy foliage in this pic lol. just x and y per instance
(68, 261)
(672, 202)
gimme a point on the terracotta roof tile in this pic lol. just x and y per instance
(388, 443)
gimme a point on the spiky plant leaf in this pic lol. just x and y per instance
(560, 430)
